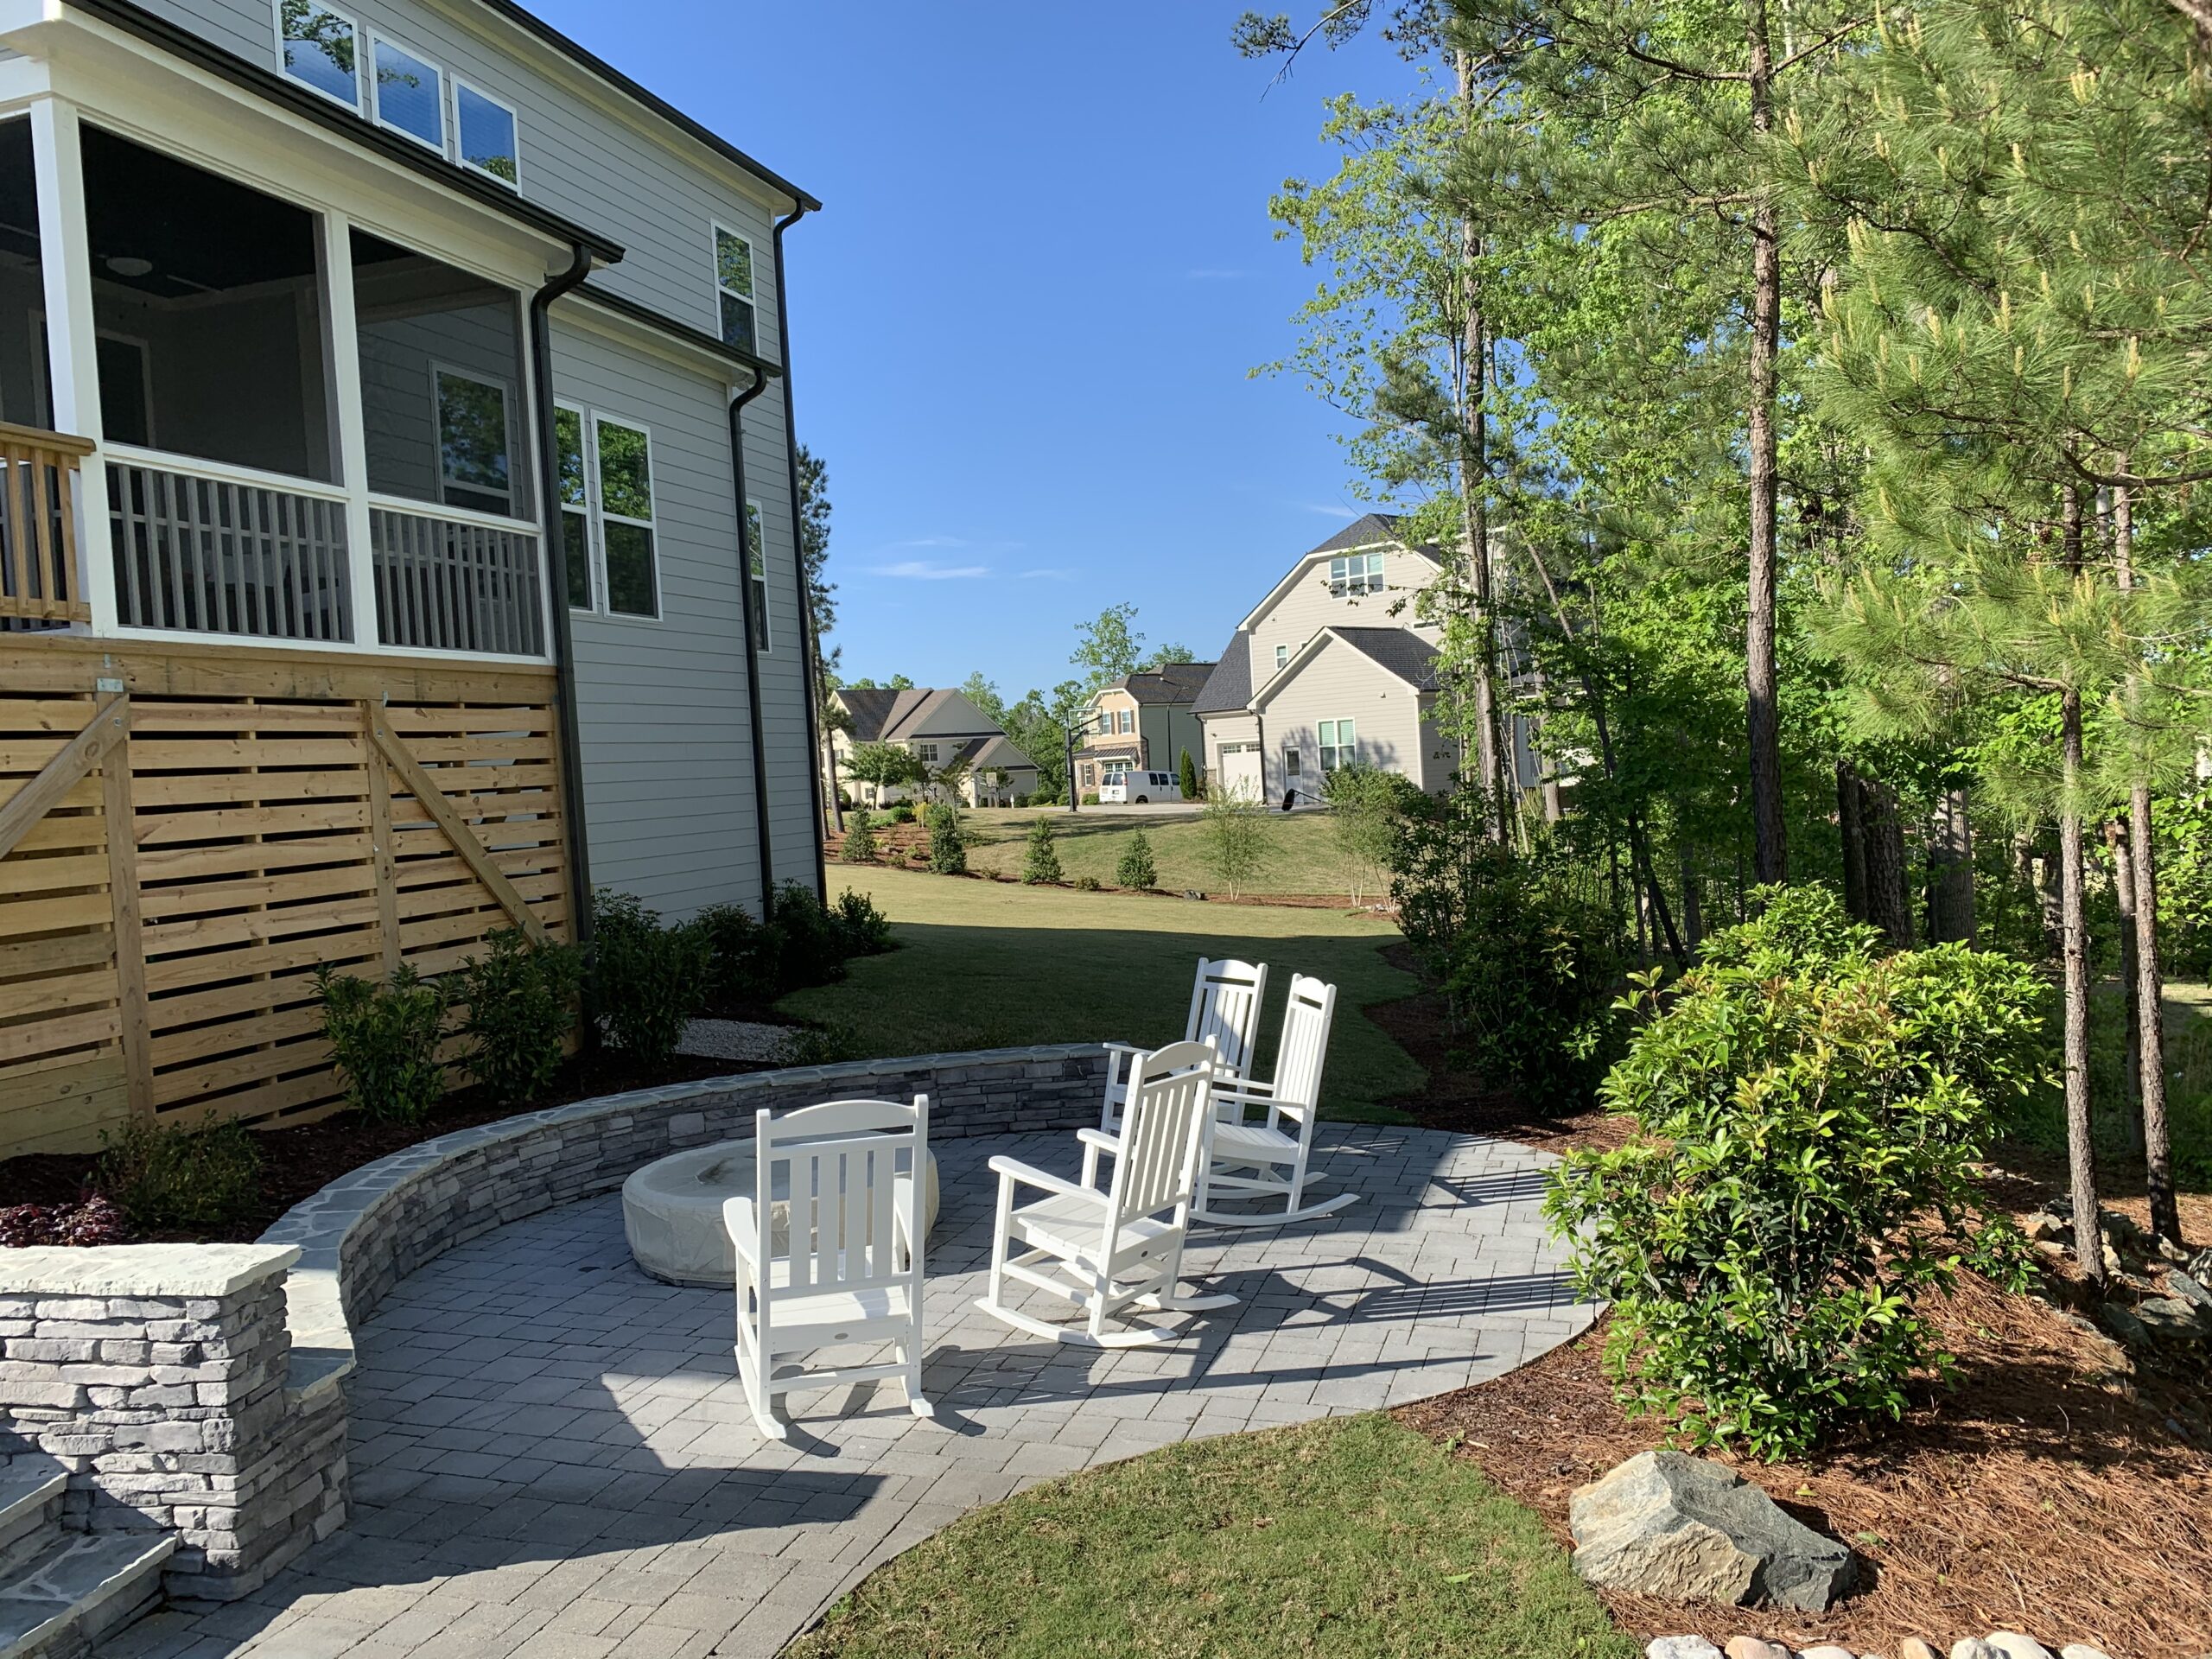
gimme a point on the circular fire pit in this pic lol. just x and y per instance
(673, 1212)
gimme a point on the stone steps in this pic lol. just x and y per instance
(61, 1591)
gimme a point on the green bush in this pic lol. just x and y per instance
(384, 1038)
(1186, 777)
(808, 944)
(864, 930)
(1367, 814)
(1809, 1116)
(948, 846)
(1135, 868)
(647, 981)
(1233, 839)
(1530, 982)
(901, 812)
(1087, 884)
(168, 1178)
(521, 1000)
(859, 845)
(1436, 865)
(741, 954)
(1040, 859)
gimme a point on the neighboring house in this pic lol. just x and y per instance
(402, 379)
(1333, 668)
(1143, 722)
(937, 728)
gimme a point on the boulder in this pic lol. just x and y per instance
(1973, 1647)
(2123, 1324)
(1665, 1524)
(1828, 1652)
(2186, 1289)
(1750, 1647)
(2172, 1318)
(1913, 1648)
(1680, 1647)
(2013, 1645)
(2081, 1650)
(2044, 1228)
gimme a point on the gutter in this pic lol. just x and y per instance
(808, 646)
(557, 577)
(761, 820)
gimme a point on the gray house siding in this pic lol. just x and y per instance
(794, 836)
(580, 158)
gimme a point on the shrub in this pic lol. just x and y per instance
(1233, 838)
(168, 1178)
(1435, 867)
(1530, 982)
(859, 839)
(1807, 1117)
(948, 846)
(89, 1221)
(901, 812)
(647, 981)
(1040, 861)
(1086, 884)
(808, 945)
(1135, 868)
(1186, 777)
(1367, 808)
(866, 931)
(384, 1040)
(521, 1001)
(741, 954)
(1090, 797)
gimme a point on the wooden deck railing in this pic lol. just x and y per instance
(41, 582)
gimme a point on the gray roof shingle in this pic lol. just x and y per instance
(1230, 685)
(1402, 652)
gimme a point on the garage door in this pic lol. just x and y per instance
(1239, 770)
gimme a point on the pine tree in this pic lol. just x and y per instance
(1186, 777)
(1136, 869)
(860, 846)
(1040, 861)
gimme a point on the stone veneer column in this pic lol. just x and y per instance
(161, 1377)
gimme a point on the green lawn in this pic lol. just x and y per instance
(1352, 1538)
(986, 964)
(1303, 857)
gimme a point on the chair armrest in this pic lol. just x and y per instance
(744, 1233)
(1123, 1048)
(1013, 1169)
(1109, 1144)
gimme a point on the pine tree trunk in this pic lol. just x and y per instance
(1889, 903)
(1950, 871)
(1770, 850)
(1474, 474)
(1854, 828)
(2157, 1142)
(2123, 886)
(2081, 1147)
(1692, 910)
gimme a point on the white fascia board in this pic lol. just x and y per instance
(1298, 570)
(1280, 679)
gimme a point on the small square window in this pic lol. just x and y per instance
(321, 47)
(411, 94)
(486, 128)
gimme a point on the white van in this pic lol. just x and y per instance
(1141, 787)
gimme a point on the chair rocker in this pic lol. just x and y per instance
(1225, 1000)
(1271, 1155)
(841, 1266)
(1119, 1248)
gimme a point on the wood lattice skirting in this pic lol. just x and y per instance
(286, 810)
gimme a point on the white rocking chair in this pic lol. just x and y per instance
(1271, 1155)
(1120, 1248)
(1225, 1000)
(845, 1269)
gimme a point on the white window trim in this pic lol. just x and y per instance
(437, 419)
(461, 160)
(1282, 657)
(1322, 747)
(757, 584)
(1372, 580)
(715, 231)
(444, 145)
(595, 515)
(276, 23)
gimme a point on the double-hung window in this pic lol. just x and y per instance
(1128, 720)
(407, 92)
(1354, 574)
(607, 512)
(756, 575)
(320, 49)
(733, 287)
(1339, 744)
(1282, 657)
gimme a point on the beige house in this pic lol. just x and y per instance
(1332, 667)
(938, 727)
(1143, 722)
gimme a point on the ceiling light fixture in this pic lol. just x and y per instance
(129, 264)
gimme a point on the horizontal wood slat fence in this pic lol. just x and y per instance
(280, 812)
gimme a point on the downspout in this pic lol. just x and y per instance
(556, 575)
(807, 643)
(751, 649)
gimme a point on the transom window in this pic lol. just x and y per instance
(733, 287)
(320, 49)
(1339, 744)
(484, 136)
(756, 572)
(612, 460)
(409, 93)
(1354, 574)
(1115, 768)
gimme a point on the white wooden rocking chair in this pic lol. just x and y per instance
(1271, 1155)
(846, 1269)
(1119, 1248)
(1225, 1000)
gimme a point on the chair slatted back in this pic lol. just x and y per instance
(1157, 1169)
(841, 1161)
(1303, 1049)
(1226, 1010)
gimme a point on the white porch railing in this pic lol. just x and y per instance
(449, 581)
(210, 550)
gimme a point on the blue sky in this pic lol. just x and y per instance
(1024, 322)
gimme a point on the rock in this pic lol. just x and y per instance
(1829, 1652)
(1973, 1647)
(1680, 1647)
(1665, 1524)
(2081, 1650)
(2013, 1645)
(2188, 1290)
(2171, 1317)
(2200, 1268)
(2120, 1227)
(2113, 1266)
(1750, 1647)
(2173, 1252)
(2044, 1228)
(1913, 1648)
(2123, 1324)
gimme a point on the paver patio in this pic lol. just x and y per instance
(553, 1459)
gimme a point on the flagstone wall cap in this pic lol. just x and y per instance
(160, 1271)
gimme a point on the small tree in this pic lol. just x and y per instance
(1367, 807)
(860, 846)
(1136, 869)
(948, 846)
(1041, 863)
(887, 766)
(1233, 831)
(1186, 775)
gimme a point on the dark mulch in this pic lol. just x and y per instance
(298, 1162)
